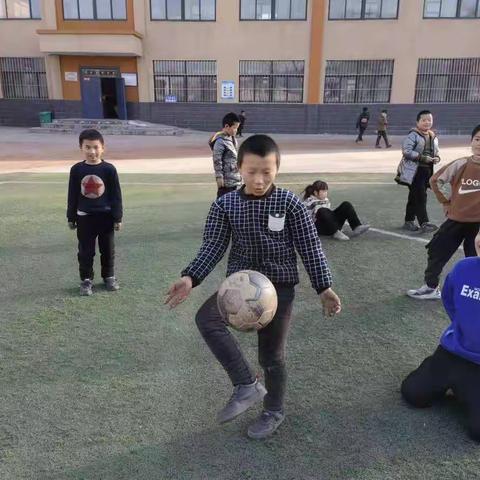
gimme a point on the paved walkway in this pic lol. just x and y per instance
(22, 151)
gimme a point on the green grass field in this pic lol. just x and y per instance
(116, 387)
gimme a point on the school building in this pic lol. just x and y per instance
(292, 65)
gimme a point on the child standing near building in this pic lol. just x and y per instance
(455, 364)
(266, 225)
(328, 221)
(457, 188)
(420, 154)
(95, 210)
(382, 130)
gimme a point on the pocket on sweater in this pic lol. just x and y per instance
(276, 222)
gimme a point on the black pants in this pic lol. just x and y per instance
(90, 227)
(445, 243)
(223, 190)
(329, 221)
(443, 371)
(381, 134)
(417, 197)
(240, 130)
(271, 346)
(361, 131)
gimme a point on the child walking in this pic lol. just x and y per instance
(455, 364)
(457, 188)
(330, 222)
(95, 210)
(420, 154)
(266, 224)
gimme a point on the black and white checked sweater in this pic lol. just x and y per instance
(265, 233)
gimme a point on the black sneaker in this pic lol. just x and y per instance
(111, 284)
(265, 424)
(86, 288)
(243, 397)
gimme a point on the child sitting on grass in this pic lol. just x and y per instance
(328, 221)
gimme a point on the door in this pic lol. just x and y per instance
(92, 97)
(121, 101)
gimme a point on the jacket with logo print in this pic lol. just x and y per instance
(461, 299)
(225, 160)
(458, 186)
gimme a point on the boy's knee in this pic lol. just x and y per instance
(346, 205)
(414, 395)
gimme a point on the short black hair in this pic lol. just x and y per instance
(423, 112)
(92, 135)
(260, 145)
(475, 131)
(365, 109)
(229, 119)
(384, 111)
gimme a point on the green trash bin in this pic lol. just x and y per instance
(45, 117)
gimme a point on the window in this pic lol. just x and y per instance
(358, 81)
(94, 10)
(451, 9)
(20, 9)
(363, 9)
(273, 9)
(277, 81)
(187, 10)
(23, 77)
(448, 80)
(185, 81)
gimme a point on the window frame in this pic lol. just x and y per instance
(362, 14)
(20, 18)
(41, 76)
(271, 19)
(271, 80)
(457, 15)
(356, 76)
(184, 76)
(183, 19)
(79, 19)
(450, 76)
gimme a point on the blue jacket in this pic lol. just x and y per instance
(461, 299)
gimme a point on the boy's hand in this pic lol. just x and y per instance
(178, 292)
(117, 226)
(436, 160)
(331, 303)
(72, 225)
(220, 182)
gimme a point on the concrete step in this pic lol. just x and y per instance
(108, 127)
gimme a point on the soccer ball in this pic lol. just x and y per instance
(247, 300)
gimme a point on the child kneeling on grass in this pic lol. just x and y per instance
(266, 225)
(455, 364)
(328, 221)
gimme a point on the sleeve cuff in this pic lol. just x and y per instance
(322, 289)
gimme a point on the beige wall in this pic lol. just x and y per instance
(227, 41)
(18, 38)
(405, 40)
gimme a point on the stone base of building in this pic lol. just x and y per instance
(454, 119)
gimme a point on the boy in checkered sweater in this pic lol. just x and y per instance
(266, 225)
(94, 210)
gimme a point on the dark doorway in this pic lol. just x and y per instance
(109, 98)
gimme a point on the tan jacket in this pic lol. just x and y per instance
(382, 122)
(457, 185)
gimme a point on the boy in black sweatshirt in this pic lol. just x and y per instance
(95, 210)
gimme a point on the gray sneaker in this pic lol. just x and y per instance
(361, 229)
(265, 424)
(243, 397)
(425, 293)
(111, 284)
(428, 227)
(86, 288)
(411, 227)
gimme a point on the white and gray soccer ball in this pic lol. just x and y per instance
(247, 300)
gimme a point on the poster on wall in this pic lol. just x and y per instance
(130, 79)
(71, 76)
(228, 90)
